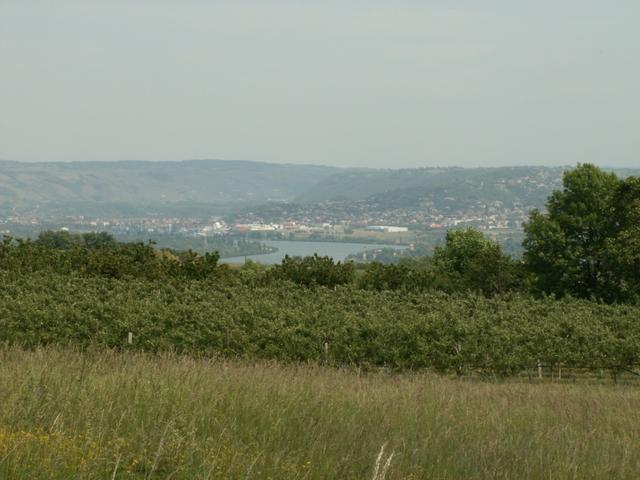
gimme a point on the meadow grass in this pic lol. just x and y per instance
(106, 415)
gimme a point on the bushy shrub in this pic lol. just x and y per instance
(313, 271)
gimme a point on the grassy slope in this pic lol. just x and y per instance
(66, 415)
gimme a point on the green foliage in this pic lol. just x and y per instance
(60, 239)
(98, 254)
(379, 276)
(96, 240)
(584, 245)
(253, 273)
(413, 274)
(313, 271)
(624, 247)
(466, 262)
(400, 330)
(64, 240)
(476, 263)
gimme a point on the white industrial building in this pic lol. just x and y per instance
(387, 229)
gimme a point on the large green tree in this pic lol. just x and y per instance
(581, 245)
(624, 246)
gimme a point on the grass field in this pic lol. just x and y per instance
(67, 415)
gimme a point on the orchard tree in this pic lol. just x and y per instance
(60, 239)
(94, 240)
(313, 271)
(474, 262)
(378, 276)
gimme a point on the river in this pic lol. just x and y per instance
(336, 250)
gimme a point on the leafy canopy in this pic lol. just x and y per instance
(586, 244)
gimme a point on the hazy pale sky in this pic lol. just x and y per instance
(393, 83)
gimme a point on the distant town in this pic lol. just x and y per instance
(323, 218)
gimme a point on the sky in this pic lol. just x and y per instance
(366, 83)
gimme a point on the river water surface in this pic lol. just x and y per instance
(336, 250)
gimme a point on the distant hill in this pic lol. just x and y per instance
(79, 185)
(524, 186)
(218, 186)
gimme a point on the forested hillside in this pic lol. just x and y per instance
(86, 185)
(217, 187)
(524, 185)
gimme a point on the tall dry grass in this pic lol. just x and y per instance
(105, 415)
